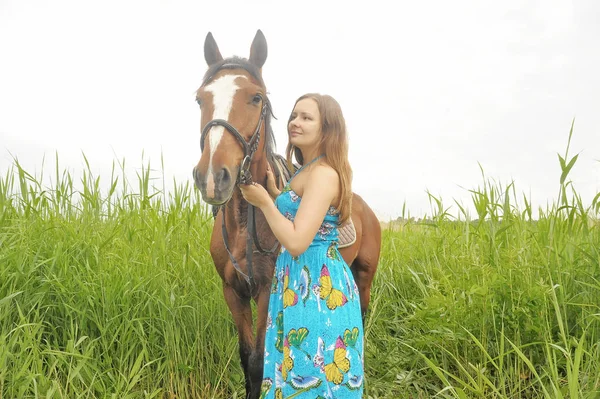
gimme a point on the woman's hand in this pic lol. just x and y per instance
(271, 185)
(256, 195)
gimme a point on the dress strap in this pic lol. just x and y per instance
(306, 164)
(300, 168)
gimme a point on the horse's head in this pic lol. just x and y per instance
(235, 118)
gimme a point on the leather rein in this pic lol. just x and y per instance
(244, 177)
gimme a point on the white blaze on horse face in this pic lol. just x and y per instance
(223, 90)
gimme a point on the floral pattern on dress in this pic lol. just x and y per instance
(314, 336)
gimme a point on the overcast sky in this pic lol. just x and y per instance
(429, 89)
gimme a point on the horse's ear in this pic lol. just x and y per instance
(212, 55)
(258, 50)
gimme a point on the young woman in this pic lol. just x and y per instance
(314, 338)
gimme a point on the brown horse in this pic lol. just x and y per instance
(237, 143)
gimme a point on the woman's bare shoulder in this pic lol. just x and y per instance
(324, 179)
(325, 170)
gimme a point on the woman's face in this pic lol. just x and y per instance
(304, 127)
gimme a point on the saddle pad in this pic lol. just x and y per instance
(346, 234)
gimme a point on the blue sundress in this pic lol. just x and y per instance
(314, 336)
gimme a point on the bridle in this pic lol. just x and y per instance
(249, 147)
(244, 177)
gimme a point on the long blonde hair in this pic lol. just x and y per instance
(334, 147)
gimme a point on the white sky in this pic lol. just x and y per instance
(429, 89)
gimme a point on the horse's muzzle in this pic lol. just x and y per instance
(216, 189)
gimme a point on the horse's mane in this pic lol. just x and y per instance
(242, 63)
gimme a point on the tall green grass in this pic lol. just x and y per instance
(500, 307)
(111, 293)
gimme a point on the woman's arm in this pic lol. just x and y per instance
(320, 189)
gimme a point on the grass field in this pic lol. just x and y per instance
(112, 294)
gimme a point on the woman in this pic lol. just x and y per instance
(314, 338)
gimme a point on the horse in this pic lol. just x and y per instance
(236, 145)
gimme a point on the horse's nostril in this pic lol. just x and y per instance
(224, 177)
(198, 179)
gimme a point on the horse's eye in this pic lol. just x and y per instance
(199, 101)
(256, 99)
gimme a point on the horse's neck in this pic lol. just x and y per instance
(236, 215)
(258, 170)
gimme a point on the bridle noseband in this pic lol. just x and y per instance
(244, 177)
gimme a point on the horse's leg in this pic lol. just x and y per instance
(256, 364)
(242, 317)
